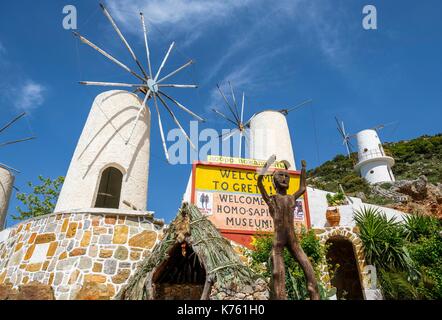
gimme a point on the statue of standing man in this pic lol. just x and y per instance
(281, 208)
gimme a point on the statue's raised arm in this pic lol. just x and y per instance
(263, 191)
(303, 182)
(261, 175)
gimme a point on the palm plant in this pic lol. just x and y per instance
(382, 238)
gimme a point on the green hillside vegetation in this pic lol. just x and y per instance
(420, 156)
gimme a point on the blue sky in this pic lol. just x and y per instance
(279, 52)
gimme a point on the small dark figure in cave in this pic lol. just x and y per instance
(281, 208)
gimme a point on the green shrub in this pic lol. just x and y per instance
(396, 285)
(295, 281)
(418, 225)
(382, 238)
(385, 185)
(41, 200)
(337, 199)
(408, 256)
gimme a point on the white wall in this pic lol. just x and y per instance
(318, 206)
(4, 235)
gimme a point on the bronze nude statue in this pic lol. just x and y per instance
(281, 208)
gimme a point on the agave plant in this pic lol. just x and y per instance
(419, 225)
(382, 239)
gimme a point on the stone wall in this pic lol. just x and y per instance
(258, 290)
(82, 255)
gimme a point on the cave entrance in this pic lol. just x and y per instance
(180, 277)
(346, 277)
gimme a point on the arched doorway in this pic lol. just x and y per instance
(180, 277)
(109, 190)
(341, 256)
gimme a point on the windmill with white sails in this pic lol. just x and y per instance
(110, 164)
(151, 84)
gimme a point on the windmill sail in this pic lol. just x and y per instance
(345, 136)
(151, 84)
(239, 127)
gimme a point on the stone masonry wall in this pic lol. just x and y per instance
(258, 290)
(81, 255)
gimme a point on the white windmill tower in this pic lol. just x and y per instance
(374, 165)
(270, 135)
(238, 118)
(7, 175)
(110, 165)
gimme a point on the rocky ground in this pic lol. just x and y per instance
(413, 196)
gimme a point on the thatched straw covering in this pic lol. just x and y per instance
(223, 266)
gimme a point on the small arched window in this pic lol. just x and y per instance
(109, 191)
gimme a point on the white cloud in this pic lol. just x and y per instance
(324, 24)
(251, 75)
(316, 21)
(184, 15)
(16, 87)
(29, 96)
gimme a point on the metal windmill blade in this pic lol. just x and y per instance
(382, 126)
(152, 84)
(8, 125)
(302, 104)
(345, 136)
(238, 117)
(2, 165)
(3, 144)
